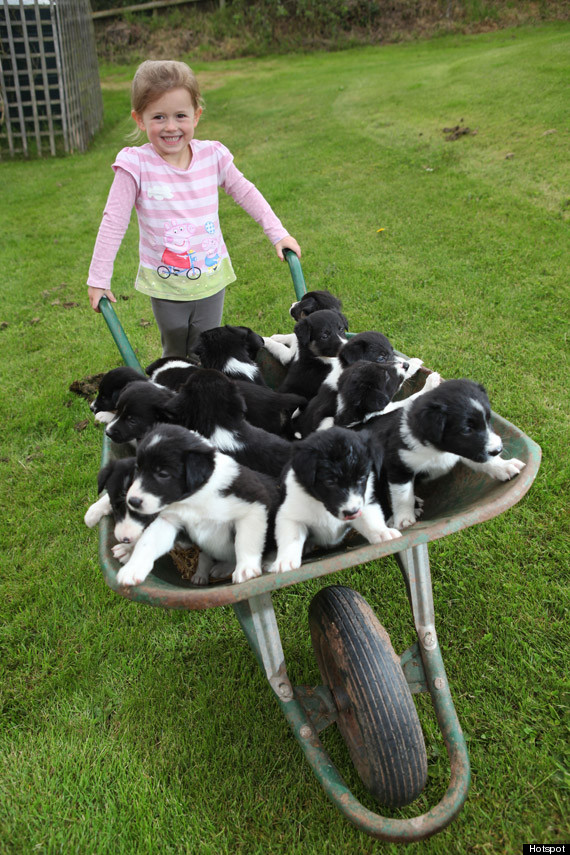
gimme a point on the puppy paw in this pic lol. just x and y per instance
(199, 578)
(122, 551)
(92, 517)
(104, 417)
(504, 470)
(433, 380)
(132, 574)
(242, 574)
(384, 534)
(283, 566)
(404, 521)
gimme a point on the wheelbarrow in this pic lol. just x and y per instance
(367, 689)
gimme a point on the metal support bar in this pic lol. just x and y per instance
(258, 621)
(414, 564)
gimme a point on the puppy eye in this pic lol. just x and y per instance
(467, 429)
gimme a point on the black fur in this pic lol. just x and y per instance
(314, 301)
(111, 386)
(209, 402)
(329, 464)
(139, 407)
(363, 388)
(116, 477)
(169, 371)
(370, 346)
(219, 345)
(320, 337)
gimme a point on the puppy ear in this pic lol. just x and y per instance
(352, 354)
(344, 320)
(309, 306)
(104, 475)
(254, 343)
(433, 419)
(303, 331)
(305, 464)
(375, 450)
(199, 464)
(235, 402)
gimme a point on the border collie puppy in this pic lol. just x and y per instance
(284, 346)
(110, 387)
(212, 405)
(429, 433)
(363, 388)
(327, 489)
(369, 346)
(233, 351)
(140, 406)
(320, 337)
(115, 478)
(169, 371)
(224, 508)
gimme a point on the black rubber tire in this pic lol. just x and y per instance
(377, 716)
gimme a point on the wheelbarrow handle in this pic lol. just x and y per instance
(296, 272)
(119, 335)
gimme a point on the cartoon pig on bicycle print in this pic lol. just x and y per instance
(178, 256)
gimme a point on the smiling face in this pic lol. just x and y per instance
(169, 123)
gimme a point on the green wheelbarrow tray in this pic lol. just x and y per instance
(453, 502)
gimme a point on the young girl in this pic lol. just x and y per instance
(173, 183)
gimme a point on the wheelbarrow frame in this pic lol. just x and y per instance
(310, 709)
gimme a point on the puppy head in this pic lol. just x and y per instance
(370, 346)
(221, 343)
(116, 477)
(140, 405)
(364, 388)
(170, 372)
(456, 417)
(110, 387)
(172, 464)
(334, 467)
(322, 332)
(207, 400)
(313, 301)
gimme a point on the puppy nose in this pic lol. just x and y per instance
(494, 451)
(351, 513)
(405, 365)
(125, 540)
(134, 502)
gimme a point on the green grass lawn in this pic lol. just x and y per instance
(129, 729)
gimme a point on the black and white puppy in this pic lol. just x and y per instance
(431, 432)
(211, 404)
(328, 487)
(233, 351)
(363, 388)
(140, 406)
(325, 406)
(284, 346)
(320, 337)
(169, 371)
(110, 387)
(115, 478)
(224, 508)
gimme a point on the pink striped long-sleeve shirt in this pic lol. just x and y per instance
(182, 254)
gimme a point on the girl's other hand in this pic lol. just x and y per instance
(95, 295)
(287, 242)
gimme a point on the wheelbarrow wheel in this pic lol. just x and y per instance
(376, 713)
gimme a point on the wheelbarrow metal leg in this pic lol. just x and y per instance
(259, 624)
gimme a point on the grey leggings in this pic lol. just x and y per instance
(180, 323)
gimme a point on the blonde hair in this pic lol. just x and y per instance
(155, 77)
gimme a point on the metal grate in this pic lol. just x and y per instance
(49, 78)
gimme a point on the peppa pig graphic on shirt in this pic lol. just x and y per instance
(211, 246)
(178, 256)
